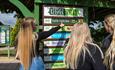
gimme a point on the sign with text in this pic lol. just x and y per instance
(55, 65)
(63, 11)
(54, 58)
(59, 35)
(53, 50)
(54, 43)
(60, 20)
(53, 15)
(65, 28)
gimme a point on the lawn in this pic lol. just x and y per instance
(4, 55)
(4, 52)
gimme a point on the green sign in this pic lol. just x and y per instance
(52, 17)
(63, 11)
(53, 50)
(65, 28)
(55, 65)
(55, 43)
(60, 20)
(56, 11)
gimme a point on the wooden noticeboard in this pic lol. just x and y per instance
(54, 44)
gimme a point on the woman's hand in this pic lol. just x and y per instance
(61, 25)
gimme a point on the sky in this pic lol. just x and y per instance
(8, 18)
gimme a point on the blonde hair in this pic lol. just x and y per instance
(25, 42)
(110, 53)
(80, 37)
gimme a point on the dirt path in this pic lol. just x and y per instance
(6, 59)
(8, 63)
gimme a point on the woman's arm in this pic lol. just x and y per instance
(45, 34)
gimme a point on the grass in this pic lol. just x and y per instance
(5, 52)
(4, 55)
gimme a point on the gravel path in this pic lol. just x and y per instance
(8, 63)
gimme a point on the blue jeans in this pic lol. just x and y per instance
(37, 64)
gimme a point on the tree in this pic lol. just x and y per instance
(14, 32)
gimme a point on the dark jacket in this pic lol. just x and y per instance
(105, 45)
(44, 35)
(106, 42)
(91, 64)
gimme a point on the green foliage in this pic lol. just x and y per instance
(98, 35)
(88, 3)
(97, 30)
(14, 32)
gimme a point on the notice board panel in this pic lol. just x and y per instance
(62, 11)
(53, 15)
(4, 34)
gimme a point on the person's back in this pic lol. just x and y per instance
(28, 44)
(109, 42)
(106, 43)
(93, 62)
(81, 53)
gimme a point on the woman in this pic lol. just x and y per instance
(81, 53)
(109, 42)
(28, 44)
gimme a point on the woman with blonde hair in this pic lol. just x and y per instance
(28, 44)
(109, 42)
(81, 53)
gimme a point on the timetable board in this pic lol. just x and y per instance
(53, 15)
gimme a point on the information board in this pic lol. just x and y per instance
(65, 28)
(55, 65)
(55, 43)
(63, 11)
(52, 16)
(54, 58)
(4, 34)
(59, 35)
(53, 50)
(58, 20)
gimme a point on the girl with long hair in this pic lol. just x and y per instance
(81, 53)
(28, 44)
(109, 42)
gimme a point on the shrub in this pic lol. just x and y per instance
(14, 32)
